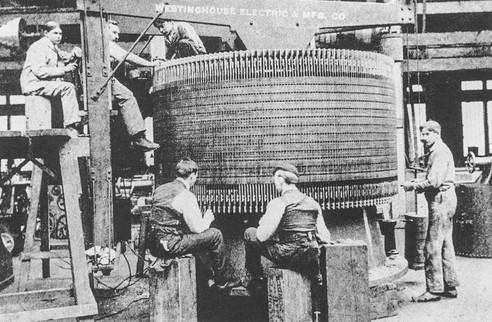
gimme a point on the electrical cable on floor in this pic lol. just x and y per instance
(115, 288)
(122, 310)
(130, 283)
(136, 254)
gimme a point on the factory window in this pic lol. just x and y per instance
(420, 118)
(17, 99)
(4, 122)
(3, 100)
(474, 127)
(472, 85)
(489, 125)
(17, 123)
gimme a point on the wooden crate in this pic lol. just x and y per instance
(289, 296)
(173, 291)
(347, 282)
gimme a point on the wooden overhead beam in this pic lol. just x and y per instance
(455, 39)
(447, 64)
(450, 7)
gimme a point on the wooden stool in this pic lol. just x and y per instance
(347, 281)
(289, 296)
(43, 112)
(173, 291)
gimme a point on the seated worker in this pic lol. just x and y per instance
(293, 223)
(181, 39)
(43, 72)
(127, 103)
(178, 227)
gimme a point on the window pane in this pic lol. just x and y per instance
(420, 118)
(473, 126)
(18, 123)
(3, 123)
(471, 85)
(489, 124)
(17, 99)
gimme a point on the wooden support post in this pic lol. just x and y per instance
(142, 242)
(347, 282)
(71, 190)
(173, 292)
(38, 191)
(96, 72)
(289, 296)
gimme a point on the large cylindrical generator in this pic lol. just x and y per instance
(329, 112)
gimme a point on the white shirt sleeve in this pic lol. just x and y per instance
(271, 219)
(322, 231)
(187, 204)
(119, 53)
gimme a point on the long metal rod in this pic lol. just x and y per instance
(101, 90)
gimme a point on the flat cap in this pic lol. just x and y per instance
(286, 167)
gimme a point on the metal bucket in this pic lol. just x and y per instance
(472, 235)
(415, 234)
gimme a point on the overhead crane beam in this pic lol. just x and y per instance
(263, 24)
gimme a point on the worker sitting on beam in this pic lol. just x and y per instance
(43, 72)
(181, 39)
(127, 103)
(288, 233)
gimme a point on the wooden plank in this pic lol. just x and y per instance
(38, 295)
(65, 312)
(289, 296)
(449, 53)
(483, 37)
(45, 254)
(458, 7)
(347, 282)
(448, 64)
(173, 292)
(70, 173)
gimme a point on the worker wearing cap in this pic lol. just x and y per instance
(181, 39)
(438, 187)
(292, 225)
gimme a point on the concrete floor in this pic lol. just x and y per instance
(474, 302)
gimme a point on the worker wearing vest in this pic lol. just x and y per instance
(178, 227)
(292, 226)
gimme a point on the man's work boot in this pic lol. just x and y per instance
(450, 292)
(142, 143)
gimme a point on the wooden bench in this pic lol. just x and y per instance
(172, 291)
